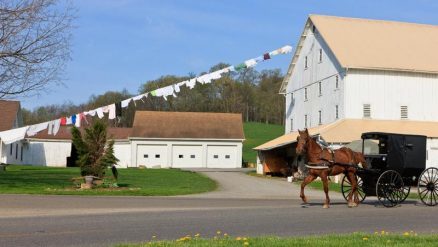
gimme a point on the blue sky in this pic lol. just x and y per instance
(121, 44)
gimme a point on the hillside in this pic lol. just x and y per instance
(256, 134)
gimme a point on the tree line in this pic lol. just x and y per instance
(252, 93)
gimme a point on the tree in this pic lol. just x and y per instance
(34, 45)
(95, 153)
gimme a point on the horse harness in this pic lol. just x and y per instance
(326, 163)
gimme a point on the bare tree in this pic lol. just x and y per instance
(34, 44)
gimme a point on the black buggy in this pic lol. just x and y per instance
(396, 162)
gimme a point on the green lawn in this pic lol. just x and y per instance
(257, 134)
(132, 182)
(355, 239)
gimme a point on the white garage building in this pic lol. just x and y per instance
(156, 140)
(187, 139)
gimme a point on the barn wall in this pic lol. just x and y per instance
(11, 153)
(47, 153)
(325, 72)
(386, 91)
(122, 151)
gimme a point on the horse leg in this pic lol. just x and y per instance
(324, 178)
(353, 193)
(305, 182)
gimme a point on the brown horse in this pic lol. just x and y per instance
(324, 162)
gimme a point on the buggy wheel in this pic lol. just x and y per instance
(406, 191)
(346, 188)
(428, 186)
(390, 188)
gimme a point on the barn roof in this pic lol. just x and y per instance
(188, 125)
(375, 44)
(64, 133)
(348, 130)
(9, 110)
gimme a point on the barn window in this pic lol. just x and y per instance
(11, 149)
(227, 156)
(180, 156)
(305, 93)
(157, 156)
(145, 156)
(337, 82)
(313, 28)
(21, 154)
(305, 121)
(215, 156)
(192, 156)
(319, 117)
(320, 55)
(320, 88)
(366, 110)
(16, 151)
(337, 111)
(305, 62)
(404, 112)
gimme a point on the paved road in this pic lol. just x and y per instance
(102, 221)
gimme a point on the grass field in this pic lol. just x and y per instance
(380, 238)
(257, 134)
(132, 182)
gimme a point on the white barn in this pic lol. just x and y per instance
(156, 140)
(349, 76)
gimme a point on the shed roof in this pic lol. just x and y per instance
(9, 110)
(375, 44)
(188, 125)
(348, 130)
(64, 133)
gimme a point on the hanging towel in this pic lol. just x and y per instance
(68, 120)
(78, 120)
(125, 102)
(285, 49)
(191, 83)
(154, 93)
(34, 129)
(164, 92)
(99, 112)
(240, 67)
(216, 75)
(273, 53)
(266, 56)
(13, 135)
(91, 113)
(54, 126)
(118, 109)
(112, 111)
(73, 119)
(63, 121)
(250, 63)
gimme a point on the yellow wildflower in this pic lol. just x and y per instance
(197, 235)
(238, 238)
(364, 238)
(218, 232)
(382, 232)
(406, 234)
(244, 239)
(246, 243)
(225, 234)
(154, 236)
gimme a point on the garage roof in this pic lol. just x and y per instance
(348, 130)
(188, 125)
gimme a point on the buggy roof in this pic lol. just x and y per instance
(369, 134)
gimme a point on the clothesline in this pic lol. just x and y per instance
(115, 109)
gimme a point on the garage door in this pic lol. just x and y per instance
(186, 156)
(221, 156)
(152, 155)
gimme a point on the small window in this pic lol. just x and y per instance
(145, 156)
(337, 111)
(192, 156)
(215, 156)
(180, 156)
(319, 117)
(305, 121)
(336, 82)
(404, 112)
(157, 156)
(305, 63)
(291, 124)
(305, 93)
(11, 149)
(320, 88)
(313, 28)
(16, 151)
(21, 154)
(227, 156)
(320, 55)
(366, 110)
